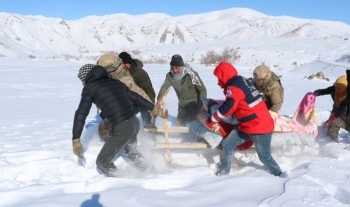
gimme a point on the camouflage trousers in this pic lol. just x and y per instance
(341, 122)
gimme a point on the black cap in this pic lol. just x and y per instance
(126, 57)
(176, 60)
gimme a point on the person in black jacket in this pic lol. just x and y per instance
(142, 80)
(338, 118)
(115, 101)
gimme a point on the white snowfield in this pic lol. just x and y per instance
(38, 167)
(38, 99)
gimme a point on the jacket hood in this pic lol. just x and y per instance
(139, 64)
(224, 72)
(96, 73)
(135, 66)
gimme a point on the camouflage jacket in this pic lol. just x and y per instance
(124, 76)
(272, 92)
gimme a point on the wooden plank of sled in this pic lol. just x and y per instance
(153, 132)
(166, 134)
(181, 146)
(170, 129)
(167, 146)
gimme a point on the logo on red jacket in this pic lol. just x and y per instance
(228, 93)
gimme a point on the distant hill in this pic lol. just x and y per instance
(23, 36)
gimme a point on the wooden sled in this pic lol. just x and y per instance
(295, 138)
(167, 145)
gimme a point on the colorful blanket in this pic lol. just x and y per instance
(301, 129)
(304, 119)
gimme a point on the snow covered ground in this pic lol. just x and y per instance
(38, 168)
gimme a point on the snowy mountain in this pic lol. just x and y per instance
(40, 92)
(38, 36)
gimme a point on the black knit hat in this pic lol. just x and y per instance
(126, 57)
(176, 60)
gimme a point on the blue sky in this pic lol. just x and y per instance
(333, 10)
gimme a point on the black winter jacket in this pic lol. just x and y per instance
(111, 96)
(141, 78)
(343, 105)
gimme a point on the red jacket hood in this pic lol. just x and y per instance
(224, 72)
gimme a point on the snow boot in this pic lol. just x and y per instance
(136, 157)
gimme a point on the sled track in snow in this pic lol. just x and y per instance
(338, 192)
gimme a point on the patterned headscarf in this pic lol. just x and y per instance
(83, 71)
(186, 70)
(339, 97)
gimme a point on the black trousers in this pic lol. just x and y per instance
(145, 115)
(122, 136)
(188, 113)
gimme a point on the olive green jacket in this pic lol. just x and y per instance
(186, 92)
(141, 78)
(272, 92)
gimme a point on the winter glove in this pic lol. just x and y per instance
(212, 126)
(78, 148)
(159, 112)
(329, 121)
(316, 93)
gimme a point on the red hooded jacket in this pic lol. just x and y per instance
(243, 101)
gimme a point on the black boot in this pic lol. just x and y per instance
(109, 169)
(136, 158)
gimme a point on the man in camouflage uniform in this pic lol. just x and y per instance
(269, 86)
(142, 80)
(115, 70)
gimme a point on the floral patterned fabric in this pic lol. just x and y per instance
(304, 120)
